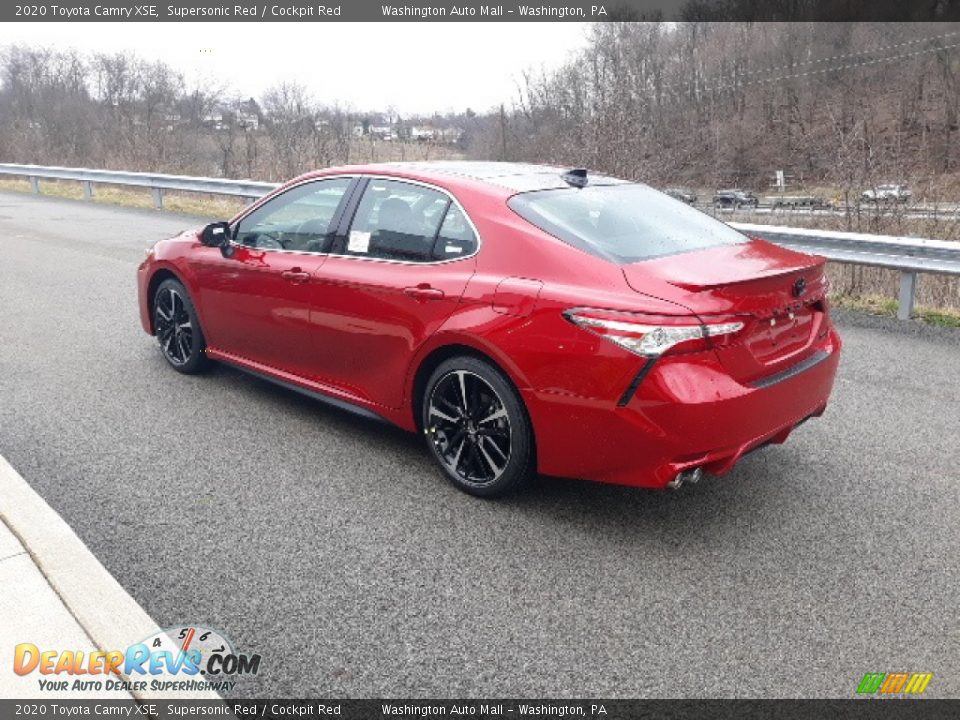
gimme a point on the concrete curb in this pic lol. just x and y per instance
(104, 610)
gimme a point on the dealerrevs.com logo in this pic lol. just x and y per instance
(188, 658)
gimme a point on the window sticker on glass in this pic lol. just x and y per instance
(359, 241)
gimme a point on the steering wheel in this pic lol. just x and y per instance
(268, 241)
(309, 237)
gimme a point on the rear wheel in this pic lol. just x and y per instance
(477, 428)
(178, 328)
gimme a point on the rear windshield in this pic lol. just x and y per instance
(623, 223)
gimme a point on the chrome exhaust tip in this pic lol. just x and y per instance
(692, 476)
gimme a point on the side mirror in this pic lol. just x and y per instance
(216, 235)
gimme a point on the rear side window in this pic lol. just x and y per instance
(456, 237)
(623, 223)
(401, 221)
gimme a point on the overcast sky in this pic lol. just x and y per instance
(414, 67)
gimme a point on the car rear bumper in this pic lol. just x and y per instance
(684, 414)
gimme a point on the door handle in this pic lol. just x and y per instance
(424, 292)
(296, 276)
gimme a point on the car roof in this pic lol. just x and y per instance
(522, 177)
(517, 177)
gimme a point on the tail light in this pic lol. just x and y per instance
(652, 335)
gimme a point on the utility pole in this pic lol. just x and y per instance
(503, 133)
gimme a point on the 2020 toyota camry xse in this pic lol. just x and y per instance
(524, 318)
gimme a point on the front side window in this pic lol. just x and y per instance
(397, 220)
(623, 223)
(300, 219)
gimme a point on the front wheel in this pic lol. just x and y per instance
(177, 328)
(477, 427)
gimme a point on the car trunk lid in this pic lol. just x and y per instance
(777, 293)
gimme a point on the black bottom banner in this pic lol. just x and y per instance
(486, 709)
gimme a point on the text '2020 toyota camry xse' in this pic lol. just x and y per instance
(523, 318)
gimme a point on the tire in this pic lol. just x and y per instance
(484, 445)
(177, 328)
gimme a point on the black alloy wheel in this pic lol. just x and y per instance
(477, 427)
(177, 328)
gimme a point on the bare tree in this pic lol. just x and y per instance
(290, 126)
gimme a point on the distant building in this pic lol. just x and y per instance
(382, 132)
(172, 119)
(247, 115)
(213, 120)
(422, 132)
(247, 120)
(450, 135)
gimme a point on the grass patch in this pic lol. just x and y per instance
(214, 208)
(218, 208)
(873, 304)
(941, 318)
(878, 305)
(14, 184)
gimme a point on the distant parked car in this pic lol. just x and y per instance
(887, 193)
(683, 194)
(734, 198)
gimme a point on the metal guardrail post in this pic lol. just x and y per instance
(908, 287)
(157, 198)
(35, 184)
(87, 190)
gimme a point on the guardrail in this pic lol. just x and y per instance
(156, 183)
(908, 255)
(941, 212)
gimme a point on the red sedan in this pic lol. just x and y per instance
(524, 318)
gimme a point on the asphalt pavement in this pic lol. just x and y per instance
(330, 544)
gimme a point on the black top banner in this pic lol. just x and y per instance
(481, 11)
